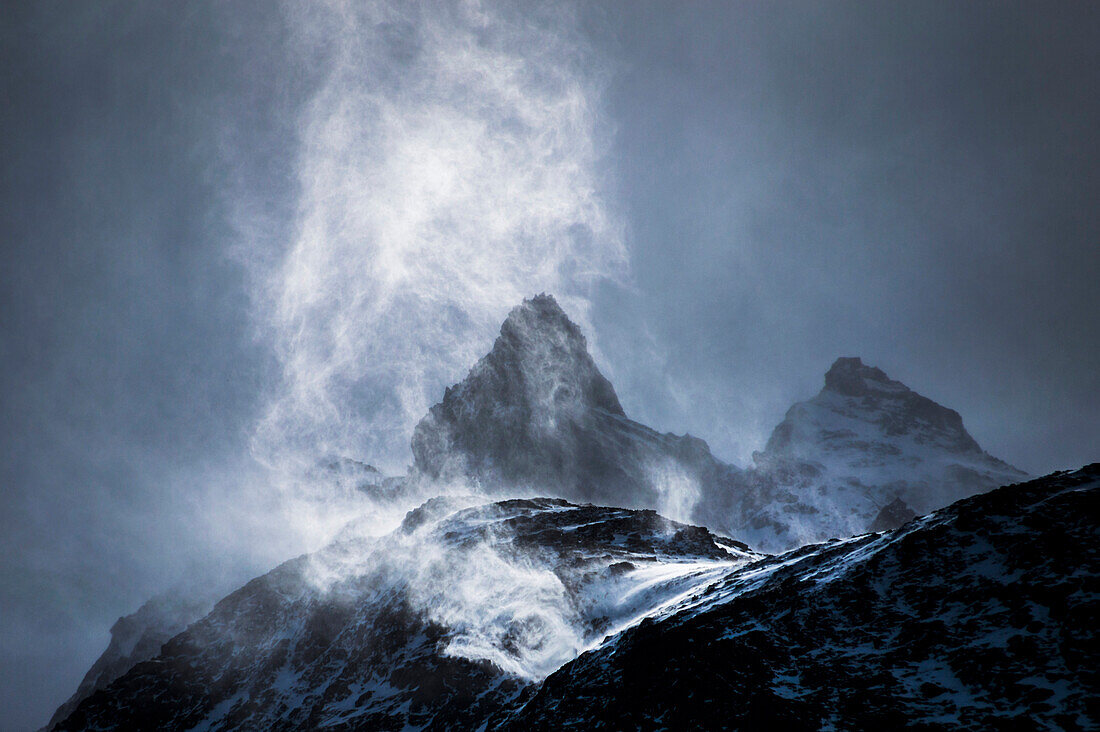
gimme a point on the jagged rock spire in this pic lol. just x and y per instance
(536, 414)
(536, 384)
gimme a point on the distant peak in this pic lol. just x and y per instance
(850, 376)
(855, 391)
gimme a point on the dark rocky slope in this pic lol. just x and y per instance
(138, 637)
(981, 616)
(437, 626)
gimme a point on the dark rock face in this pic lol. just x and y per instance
(513, 414)
(983, 616)
(893, 514)
(138, 637)
(536, 415)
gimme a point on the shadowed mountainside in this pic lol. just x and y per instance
(972, 617)
(980, 616)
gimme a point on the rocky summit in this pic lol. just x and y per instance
(865, 454)
(866, 428)
(536, 416)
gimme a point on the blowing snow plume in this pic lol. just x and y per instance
(440, 625)
(447, 166)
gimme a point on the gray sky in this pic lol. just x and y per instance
(790, 182)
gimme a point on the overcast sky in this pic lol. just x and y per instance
(746, 191)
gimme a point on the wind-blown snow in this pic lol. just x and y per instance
(447, 167)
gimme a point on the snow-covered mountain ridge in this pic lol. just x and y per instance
(439, 624)
(982, 615)
(975, 615)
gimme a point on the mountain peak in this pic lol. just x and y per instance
(858, 393)
(539, 315)
(537, 381)
(871, 430)
(536, 414)
(851, 377)
(543, 352)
